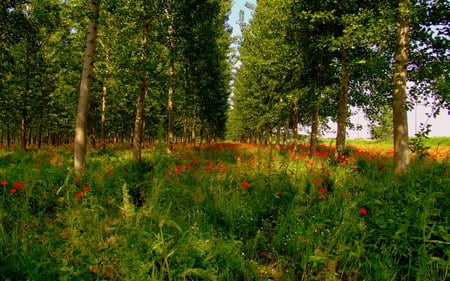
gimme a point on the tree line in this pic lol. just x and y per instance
(307, 62)
(125, 70)
(141, 71)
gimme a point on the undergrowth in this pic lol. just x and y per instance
(223, 212)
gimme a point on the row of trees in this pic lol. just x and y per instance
(149, 69)
(305, 62)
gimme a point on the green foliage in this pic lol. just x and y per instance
(223, 212)
(417, 145)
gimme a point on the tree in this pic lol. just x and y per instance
(400, 119)
(80, 144)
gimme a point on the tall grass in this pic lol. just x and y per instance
(223, 212)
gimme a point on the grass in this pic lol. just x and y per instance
(224, 212)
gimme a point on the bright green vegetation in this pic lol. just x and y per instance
(223, 212)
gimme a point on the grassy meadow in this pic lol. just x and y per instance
(225, 212)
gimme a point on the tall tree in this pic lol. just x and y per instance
(400, 120)
(80, 145)
(143, 84)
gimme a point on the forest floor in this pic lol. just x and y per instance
(226, 212)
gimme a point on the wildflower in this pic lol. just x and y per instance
(323, 190)
(77, 180)
(245, 184)
(110, 173)
(13, 190)
(18, 185)
(188, 166)
(363, 211)
(4, 183)
(79, 195)
(321, 197)
(179, 169)
(316, 181)
(86, 188)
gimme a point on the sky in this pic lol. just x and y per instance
(440, 126)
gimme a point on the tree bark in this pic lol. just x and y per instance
(140, 107)
(170, 92)
(295, 121)
(80, 145)
(314, 128)
(400, 119)
(342, 107)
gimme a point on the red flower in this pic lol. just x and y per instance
(79, 195)
(4, 183)
(86, 188)
(77, 180)
(363, 211)
(321, 197)
(13, 190)
(323, 190)
(245, 184)
(18, 185)
(179, 169)
(110, 173)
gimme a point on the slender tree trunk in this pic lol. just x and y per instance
(286, 133)
(23, 123)
(314, 128)
(400, 120)
(140, 108)
(103, 117)
(80, 145)
(342, 106)
(277, 141)
(171, 88)
(295, 121)
(104, 95)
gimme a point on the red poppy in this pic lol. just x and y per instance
(77, 180)
(363, 211)
(4, 183)
(79, 195)
(245, 184)
(13, 190)
(179, 169)
(86, 188)
(321, 197)
(110, 173)
(18, 185)
(323, 190)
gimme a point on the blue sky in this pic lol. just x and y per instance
(234, 17)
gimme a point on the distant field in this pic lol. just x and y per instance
(435, 141)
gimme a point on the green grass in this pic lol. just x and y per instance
(224, 212)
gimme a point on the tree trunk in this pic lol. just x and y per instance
(103, 117)
(400, 120)
(80, 145)
(286, 133)
(295, 121)
(171, 88)
(314, 128)
(140, 108)
(23, 123)
(342, 107)
(104, 95)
